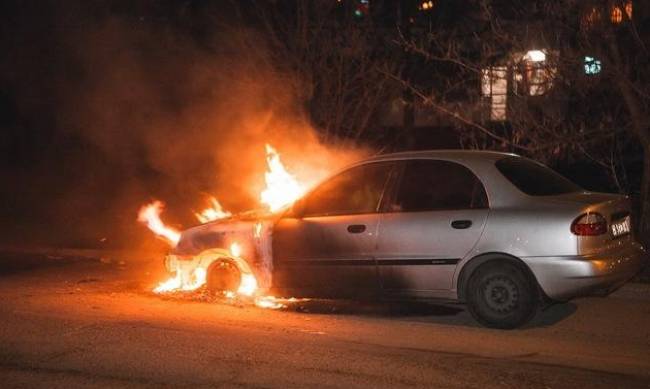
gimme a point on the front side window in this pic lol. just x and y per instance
(355, 191)
(433, 185)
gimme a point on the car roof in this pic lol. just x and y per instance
(443, 154)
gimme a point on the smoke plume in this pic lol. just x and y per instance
(157, 101)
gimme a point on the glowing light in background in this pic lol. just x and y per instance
(535, 56)
(426, 5)
(592, 66)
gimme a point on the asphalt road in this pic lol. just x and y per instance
(68, 322)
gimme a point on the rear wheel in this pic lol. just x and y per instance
(501, 295)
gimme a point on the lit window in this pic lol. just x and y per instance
(494, 86)
(592, 66)
(616, 15)
(534, 74)
(426, 5)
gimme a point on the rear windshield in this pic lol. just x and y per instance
(533, 178)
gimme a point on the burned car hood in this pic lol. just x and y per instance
(246, 229)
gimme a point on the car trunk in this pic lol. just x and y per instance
(616, 209)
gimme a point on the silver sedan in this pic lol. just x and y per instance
(497, 231)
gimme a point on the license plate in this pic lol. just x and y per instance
(621, 227)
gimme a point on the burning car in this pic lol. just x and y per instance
(496, 231)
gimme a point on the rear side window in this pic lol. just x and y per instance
(355, 191)
(432, 185)
(533, 178)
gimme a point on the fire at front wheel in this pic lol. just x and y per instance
(223, 276)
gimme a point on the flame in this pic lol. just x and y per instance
(247, 288)
(269, 302)
(191, 276)
(248, 285)
(235, 249)
(282, 188)
(257, 233)
(183, 281)
(214, 212)
(150, 215)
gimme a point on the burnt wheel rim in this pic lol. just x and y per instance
(500, 294)
(223, 276)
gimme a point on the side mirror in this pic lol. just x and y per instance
(298, 209)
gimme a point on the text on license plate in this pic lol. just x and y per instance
(621, 227)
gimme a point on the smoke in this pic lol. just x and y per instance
(167, 103)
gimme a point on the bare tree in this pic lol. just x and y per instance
(337, 57)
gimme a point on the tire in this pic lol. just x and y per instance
(501, 295)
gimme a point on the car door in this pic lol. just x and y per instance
(325, 245)
(433, 218)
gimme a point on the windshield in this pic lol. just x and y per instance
(533, 178)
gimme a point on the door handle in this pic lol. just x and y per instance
(356, 228)
(461, 224)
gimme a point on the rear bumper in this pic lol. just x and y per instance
(565, 277)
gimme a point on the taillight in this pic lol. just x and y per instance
(589, 224)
